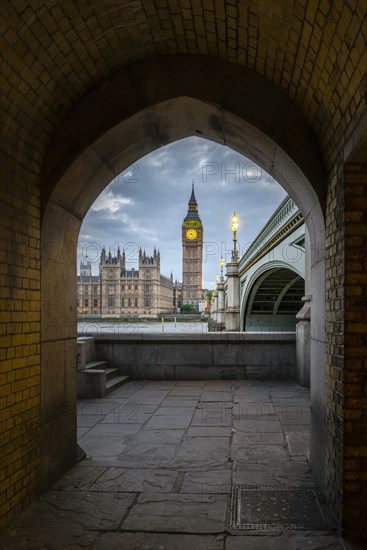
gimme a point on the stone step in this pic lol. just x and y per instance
(94, 371)
(97, 365)
(112, 372)
(116, 382)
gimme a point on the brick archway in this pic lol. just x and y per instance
(308, 54)
(76, 171)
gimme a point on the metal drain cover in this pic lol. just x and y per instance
(278, 507)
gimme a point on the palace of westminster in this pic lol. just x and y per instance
(119, 291)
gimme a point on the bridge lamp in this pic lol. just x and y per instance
(234, 231)
(221, 263)
(216, 279)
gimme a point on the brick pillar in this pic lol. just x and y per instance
(355, 353)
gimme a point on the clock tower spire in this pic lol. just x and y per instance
(192, 253)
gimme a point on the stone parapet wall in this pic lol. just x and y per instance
(220, 356)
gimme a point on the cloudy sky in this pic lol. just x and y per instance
(145, 206)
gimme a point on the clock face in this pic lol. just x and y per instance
(191, 234)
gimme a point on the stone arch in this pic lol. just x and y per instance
(256, 279)
(86, 154)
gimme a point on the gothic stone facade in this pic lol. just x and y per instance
(120, 291)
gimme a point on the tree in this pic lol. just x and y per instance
(188, 308)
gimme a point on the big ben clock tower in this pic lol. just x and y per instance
(192, 254)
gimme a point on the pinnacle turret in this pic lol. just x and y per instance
(193, 205)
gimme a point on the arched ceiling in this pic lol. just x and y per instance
(54, 52)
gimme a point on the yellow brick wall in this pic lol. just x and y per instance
(334, 336)
(354, 379)
(19, 340)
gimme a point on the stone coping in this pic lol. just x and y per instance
(208, 337)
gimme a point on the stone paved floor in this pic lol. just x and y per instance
(161, 460)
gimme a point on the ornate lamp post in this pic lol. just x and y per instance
(221, 263)
(234, 231)
(232, 312)
(214, 302)
(220, 291)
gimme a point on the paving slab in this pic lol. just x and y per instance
(97, 408)
(186, 391)
(65, 534)
(298, 444)
(177, 513)
(166, 422)
(79, 478)
(81, 431)
(102, 446)
(151, 448)
(212, 414)
(134, 416)
(147, 396)
(148, 455)
(256, 438)
(135, 480)
(296, 428)
(284, 398)
(114, 429)
(259, 453)
(160, 385)
(180, 401)
(210, 431)
(206, 450)
(261, 410)
(158, 541)
(88, 421)
(250, 396)
(216, 396)
(257, 426)
(168, 437)
(279, 541)
(190, 383)
(89, 510)
(294, 414)
(175, 411)
(292, 473)
(126, 392)
(128, 405)
(219, 385)
(247, 392)
(208, 482)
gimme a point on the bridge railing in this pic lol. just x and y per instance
(286, 210)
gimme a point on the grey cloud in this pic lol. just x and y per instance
(159, 190)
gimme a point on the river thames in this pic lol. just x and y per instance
(125, 328)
